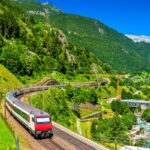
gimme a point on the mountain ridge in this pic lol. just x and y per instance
(108, 45)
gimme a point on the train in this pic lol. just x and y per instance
(36, 121)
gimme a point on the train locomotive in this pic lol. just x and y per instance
(35, 120)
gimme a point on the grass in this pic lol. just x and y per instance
(86, 129)
(108, 113)
(7, 80)
(88, 111)
(6, 138)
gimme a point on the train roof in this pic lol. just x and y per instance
(30, 109)
(134, 101)
(12, 96)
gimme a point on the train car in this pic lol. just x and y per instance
(92, 84)
(35, 120)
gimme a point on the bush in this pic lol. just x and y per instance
(54, 102)
(146, 114)
(109, 130)
(141, 142)
(119, 107)
(129, 120)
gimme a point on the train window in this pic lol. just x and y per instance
(21, 113)
(43, 120)
(32, 119)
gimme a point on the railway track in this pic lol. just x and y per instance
(49, 144)
(72, 140)
(62, 139)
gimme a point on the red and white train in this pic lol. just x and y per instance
(35, 120)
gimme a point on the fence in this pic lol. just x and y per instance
(17, 147)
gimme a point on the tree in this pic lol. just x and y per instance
(109, 130)
(127, 95)
(93, 98)
(119, 107)
(54, 102)
(146, 114)
(141, 142)
(129, 119)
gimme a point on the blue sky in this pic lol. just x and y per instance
(126, 16)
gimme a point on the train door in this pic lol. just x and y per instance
(32, 122)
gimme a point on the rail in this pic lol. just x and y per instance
(12, 95)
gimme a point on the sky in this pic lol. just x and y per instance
(126, 16)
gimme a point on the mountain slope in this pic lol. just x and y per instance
(109, 46)
(33, 7)
(7, 80)
(30, 48)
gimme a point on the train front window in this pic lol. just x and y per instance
(42, 120)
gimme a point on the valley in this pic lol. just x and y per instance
(89, 68)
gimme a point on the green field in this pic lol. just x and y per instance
(5, 141)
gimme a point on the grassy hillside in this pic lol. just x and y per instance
(5, 141)
(7, 79)
(109, 46)
(7, 82)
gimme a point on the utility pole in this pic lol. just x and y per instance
(5, 108)
(115, 144)
(17, 143)
(1, 95)
(43, 101)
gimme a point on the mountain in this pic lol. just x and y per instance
(108, 45)
(31, 48)
(139, 38)
(34, 8)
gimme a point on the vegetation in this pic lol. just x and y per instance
(115, 128)
(6, 141)
(30, 49)
(136, 87)
(54, 102)
(7, 82)
(98, 38)
(119, 107)
(60, 103)
(146, 114)
(141, 143)
(109, 130)
(129, 119)
(7, 79)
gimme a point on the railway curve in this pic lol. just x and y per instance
(76, 141)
